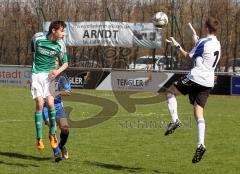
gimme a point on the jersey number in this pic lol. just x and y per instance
(216, 53)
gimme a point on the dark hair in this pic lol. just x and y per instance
(56, 25)
(212, 24)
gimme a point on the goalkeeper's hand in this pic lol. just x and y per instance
(173, 42)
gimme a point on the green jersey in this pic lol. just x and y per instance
(45, 53)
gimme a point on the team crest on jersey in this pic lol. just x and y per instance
(47, 52)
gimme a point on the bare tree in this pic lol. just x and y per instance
(19, 20)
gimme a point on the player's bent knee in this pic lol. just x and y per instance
(170, 92)
(64, 129)
(39, 104)
(50, 102)
(51, 106)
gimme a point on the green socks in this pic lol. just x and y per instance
(38, 122)
(52, 121)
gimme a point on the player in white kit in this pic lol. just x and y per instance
(198, 82)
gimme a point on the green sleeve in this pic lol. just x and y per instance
(65, 58)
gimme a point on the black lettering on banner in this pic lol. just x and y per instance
(115, 33)
(152, 36)
(108, 34)
(100, 34)
(86, 34)
(94, 33)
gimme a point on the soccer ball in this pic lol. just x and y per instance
(160, 19)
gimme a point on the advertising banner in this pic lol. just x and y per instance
(235, 85)
(15, 76)
(115, 34)
(134, 81)
(116, 80)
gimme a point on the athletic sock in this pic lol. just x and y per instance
(38, 123)
(52, 121)
(55, 150)
(172, 107)
(63, 139)
(201, 131)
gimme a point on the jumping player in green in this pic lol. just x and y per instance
(46, 48)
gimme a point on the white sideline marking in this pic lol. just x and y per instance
(131, 115)
(5, 121)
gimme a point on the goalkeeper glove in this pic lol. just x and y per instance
(173, 42)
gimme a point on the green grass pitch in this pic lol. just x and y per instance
(125, 143)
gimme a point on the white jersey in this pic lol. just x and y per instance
(205, 56)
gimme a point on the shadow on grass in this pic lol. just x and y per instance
(22, 156)
(18, 164)
(120, 167)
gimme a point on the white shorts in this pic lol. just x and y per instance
(42, 86)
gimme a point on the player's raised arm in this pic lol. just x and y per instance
(195, 37)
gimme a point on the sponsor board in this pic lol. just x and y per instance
(116, 80)
(134, 81)
(235, 85)
(15, 76)
(114, 34)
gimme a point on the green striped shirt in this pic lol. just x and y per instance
(45, 53)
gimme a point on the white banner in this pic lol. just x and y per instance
(134, 81)
(115, 34)
(15, 76)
